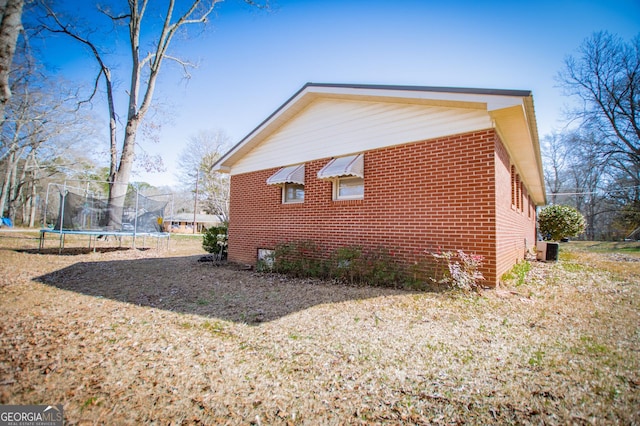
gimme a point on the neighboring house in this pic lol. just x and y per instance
(183, 222)
(402, 167)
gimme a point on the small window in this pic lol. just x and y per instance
(292, 193)
(347, 175)
(266, 259)
(513, 187)
(291, 180)
(348, 188)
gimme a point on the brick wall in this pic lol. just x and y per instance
(516, 214)
(429, 195)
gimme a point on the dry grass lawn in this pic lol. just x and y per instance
(152, 336)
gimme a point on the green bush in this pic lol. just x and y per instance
(215, 241)
(348, 264)
(345, 264)
(380, 269)
(377, 267)
(299, 259)
(556, 222)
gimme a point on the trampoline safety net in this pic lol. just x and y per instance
(133, 213)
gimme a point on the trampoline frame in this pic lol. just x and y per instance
(93, 237)
(94, 234)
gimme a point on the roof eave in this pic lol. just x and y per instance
(497, 102)
(310, 91)
(517, 128)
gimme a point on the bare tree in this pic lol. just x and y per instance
(554, 153)
(194, 171)
(606, 77)
(38, 130)
(10, 27)
(37, 136)
(159, 28)
(578, 174)
(623, 193)
(587, 176)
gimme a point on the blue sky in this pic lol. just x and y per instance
(250, 62)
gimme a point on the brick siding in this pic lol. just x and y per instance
(446, 193)
(515, 215)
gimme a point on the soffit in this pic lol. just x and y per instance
(520, 138)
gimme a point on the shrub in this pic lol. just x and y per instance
(556, 222)
(349, 264)
(377, 267)
(462, 270)
(345, 264)
(215, 241)
(299, 259)
(381, 270)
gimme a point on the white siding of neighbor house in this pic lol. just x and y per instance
(332, 127)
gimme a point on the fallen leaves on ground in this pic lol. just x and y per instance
(154, 336)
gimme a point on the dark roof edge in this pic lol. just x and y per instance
(474, 91)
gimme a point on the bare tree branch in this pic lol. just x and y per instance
(103, 71)
(145, 68)
(606, 77)
(120, 17)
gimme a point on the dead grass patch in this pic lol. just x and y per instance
(154, 336)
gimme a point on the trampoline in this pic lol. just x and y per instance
(83, 209)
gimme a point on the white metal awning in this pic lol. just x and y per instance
(352, 165)
(291, 174)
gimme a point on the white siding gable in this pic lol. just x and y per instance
(334, 127)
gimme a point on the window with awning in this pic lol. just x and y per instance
(291, 179)
(352, 165)
(347, 174)
(290, 174)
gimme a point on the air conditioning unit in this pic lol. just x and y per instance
(547, 251)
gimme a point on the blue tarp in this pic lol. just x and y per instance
(7, 222)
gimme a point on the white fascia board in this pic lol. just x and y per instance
(455, 97)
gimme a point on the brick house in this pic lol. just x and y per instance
(408, 168)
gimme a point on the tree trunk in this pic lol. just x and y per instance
(12, 192)
(5, 184)
(33, 202)
(10, 27)
(120, 182)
